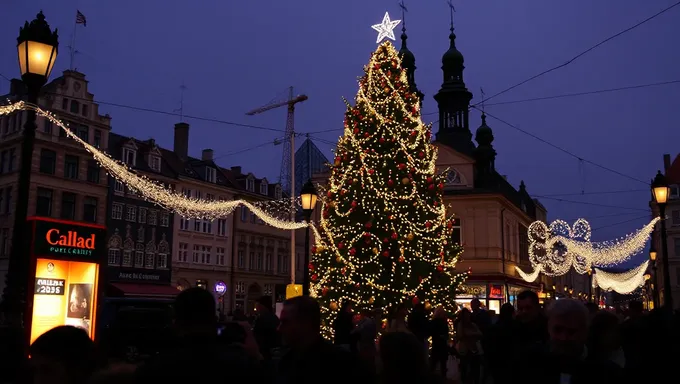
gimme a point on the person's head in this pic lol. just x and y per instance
(264, 304)
(63, 355)
(528, 306)
(439, 312)
(635, 308)
(507, 312)
(402, 358)
(592, 308)
(603, 336)
(464, 316)
(568, 327)
(300, 321)
(475, 304)
(232, 333)
(195, 311)
(401, 311)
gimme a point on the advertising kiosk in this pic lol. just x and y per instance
(64, 286)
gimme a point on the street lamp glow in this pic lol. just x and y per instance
(37, 47)
(652, 252)
(660, 189)
(308, 196)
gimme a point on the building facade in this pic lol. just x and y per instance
(66, 182)
(139, 233)
(672, 172)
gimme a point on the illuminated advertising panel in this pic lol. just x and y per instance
(66, 284)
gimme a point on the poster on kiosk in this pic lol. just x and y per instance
(65, 260)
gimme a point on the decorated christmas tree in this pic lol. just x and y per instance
(384, 238)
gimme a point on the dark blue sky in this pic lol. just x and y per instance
(235, 56)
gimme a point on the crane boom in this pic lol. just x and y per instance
(268, 107)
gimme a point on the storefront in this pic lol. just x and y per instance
(65, 261)
(491, 293)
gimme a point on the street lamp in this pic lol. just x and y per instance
(660, 192)
(654, 285)
(590, 285)
(37, 47)
(308, 199)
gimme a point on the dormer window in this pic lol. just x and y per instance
(210, 174)
(155, 163)
(675, 192)
(250, 184)
(264, 187)
(277, 192)
(130, 156)
(524, 207)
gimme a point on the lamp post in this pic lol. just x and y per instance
(660, 192)
(590, 285)
(308, 199)
(37, 47)
(655, 282)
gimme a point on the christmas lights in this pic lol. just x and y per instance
(157, 193)
(384, 238)
(386, 28)
(623, 283)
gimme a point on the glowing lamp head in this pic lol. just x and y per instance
(308, 197)
(652, 252)
(37, 46)
(660, 189)
(647, 276)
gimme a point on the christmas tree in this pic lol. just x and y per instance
(384, 238)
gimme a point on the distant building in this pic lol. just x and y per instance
(309, 160)
(66, 182)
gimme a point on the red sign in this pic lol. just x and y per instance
(495, 291)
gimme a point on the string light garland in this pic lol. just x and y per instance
(554, 249)
(157, 193)
(384, 238)
(623, 283)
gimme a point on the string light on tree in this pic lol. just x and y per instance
(623, 283)
(384, 237)
(163, 196)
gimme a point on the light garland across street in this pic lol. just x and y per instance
(163, 196)
(623, 283)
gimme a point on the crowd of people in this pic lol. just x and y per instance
(568, 342)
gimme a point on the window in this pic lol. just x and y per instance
(68, 205)
(83, 132)
(12, 159)
(155, 163)
(47, 126)
(251, 261)
(207, 226)
(197, 225)
(194, 255)
(3, 161)
(153, 214)
(676, 243)
(114, 256)
(456, 234)
(219, 257)
(149, 260)
(43, 206)
(244, 214)
(264, 187)
(286, 263)
(240, 287)
(675, 191)
(182, 255)
(162, 261)
(250, 184)
(279, 263)
(142, 215)
(675, 217)
(165, 219)
(241, 259)
(75, 106)
(139, 255)
(205, 254)
(118, 188)
(127, 258)
(210, 174)
(116, 211)
(130, 156)
(131, 213)
(64, 104)
(258, 261)
(277, 192)
(71, 167)
(268, 262)
(8, 200)
(85, 110)
(93, 172)
(268, 291)
(97, 138)
(90, 209)
(184, 223)
(48, 161)
(221, 227)
(523, 244)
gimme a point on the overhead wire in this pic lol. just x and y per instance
(595, 193)
(242, 150)
(589, 203)
(619, 223)
(581, 54)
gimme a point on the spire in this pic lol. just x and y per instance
(408, 59)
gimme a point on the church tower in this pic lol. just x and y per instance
(453, 101)
(408, 59)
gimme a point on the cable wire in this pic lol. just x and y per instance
(583, 53)
(269, 142)
(594, 193)
(589, 203)
(619, 223)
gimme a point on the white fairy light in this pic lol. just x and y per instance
(159, 194)
(623, 283)
(529, 277)
(386, 28)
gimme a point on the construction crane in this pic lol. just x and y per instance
(287, 175)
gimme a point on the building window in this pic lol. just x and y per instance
(118, 188)
(219, 257)
(131, 213)
(142, 215)
(97, 138)
(90, 209)
(7, 207)
(286, 263)
(71, 167)
(48, 161)
(251, 261)
(240, 287)
(68, 206)
(278, 192)
(184, 223)
(221, 227)
(244, 214)
(4, 243)
(268, 262)
(258, 261)
(210, 174)
(75, 107)
(3, 161)
(250, 184)
(114, 257)
(130, 156)
(264, 187)
(197, 225)
(47, 126)
(116, 211)
(182, 255)
(523, 244)
(675, 215)
(165, 219)
(194, 255)
(241, 259)
(205, 254)
(85, 110)
(127, 258)
(153, 214)
(149, 261)
(676, 243)
(456, 235)
(93, 172)
(207, 226)
(162, 261)
(84, 133)
(268, 289)
(139, 256)
(155, 163)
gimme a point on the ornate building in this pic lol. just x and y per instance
(66, 182)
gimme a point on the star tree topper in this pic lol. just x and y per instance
(386, 28)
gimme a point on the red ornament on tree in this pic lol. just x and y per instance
(440, 268)
(421, 154)
(324, 291)
(390, 183)
(368, 225)
(353, 251)
(356, 131)
(371, 171)
(341, 245)
(402, 166)
(354, 204)
(428, 224)
(386, 253)
(394, 236)
(310, 266)
(381, 140)
(314, 277)
(416, 300)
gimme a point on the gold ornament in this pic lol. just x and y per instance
(334, 306)
(338, 259)
(371, 300)
(376, 251)
(428, 306)
(405, 180)
(410, 237)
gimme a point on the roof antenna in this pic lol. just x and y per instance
(182, 88)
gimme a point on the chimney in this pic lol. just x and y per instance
(207, 154)
(181, 144)
(236, 170)
(17, 87)
(666, 162)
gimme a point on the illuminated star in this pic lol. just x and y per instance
(386, 28)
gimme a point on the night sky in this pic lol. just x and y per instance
(236, 56)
